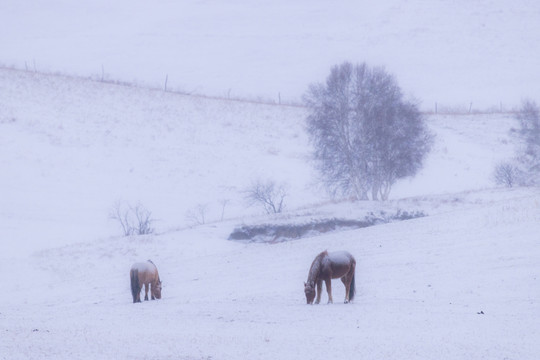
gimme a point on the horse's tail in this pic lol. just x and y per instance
(352, 289)
(135, 288)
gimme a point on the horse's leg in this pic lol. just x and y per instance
(152, 292)
(319, 291)
(329, 290)
(139, 288)
(347, 282)
(145, 291)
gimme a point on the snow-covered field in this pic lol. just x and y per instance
(422, 285)
(453, 53)
(459, 283)
(462, 282)
(74, 144)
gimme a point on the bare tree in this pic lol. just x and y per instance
(506, 174)
(134, 220)
(143, 220)
(529, 119)
(268, 194)
(119, 213)
(223, 203)
(197, 215)
(365, 135)
(529, 156)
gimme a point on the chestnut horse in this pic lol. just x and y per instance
(328, 266)
(145, 273)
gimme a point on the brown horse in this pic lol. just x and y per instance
(328, 266)
(145, 273)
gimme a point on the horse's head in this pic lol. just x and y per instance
(309, 289)
(157, 290)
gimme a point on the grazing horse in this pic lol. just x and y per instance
(328, 266)
(145, 273)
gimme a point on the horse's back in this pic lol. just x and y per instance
(341, 257)
(146, 270)
(144, 266)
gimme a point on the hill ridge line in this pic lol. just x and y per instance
(268, 102)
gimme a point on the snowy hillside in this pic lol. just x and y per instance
(85, 124)
(73, 148)
(453, 53)
(459, 283)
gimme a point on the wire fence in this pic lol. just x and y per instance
(437, 109)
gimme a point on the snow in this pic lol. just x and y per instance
(459, 283)
(421, 285)
(447, 53)
(143, 266)
(341, 256)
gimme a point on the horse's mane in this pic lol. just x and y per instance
(316, 267)
(157, 272)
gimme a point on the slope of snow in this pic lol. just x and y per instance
(461, 282)
(73, 148)
(451, 53)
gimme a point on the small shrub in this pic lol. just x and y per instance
(134, 220)
(197, 216)
(268, 194)
(526, 171)
(506, 174)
